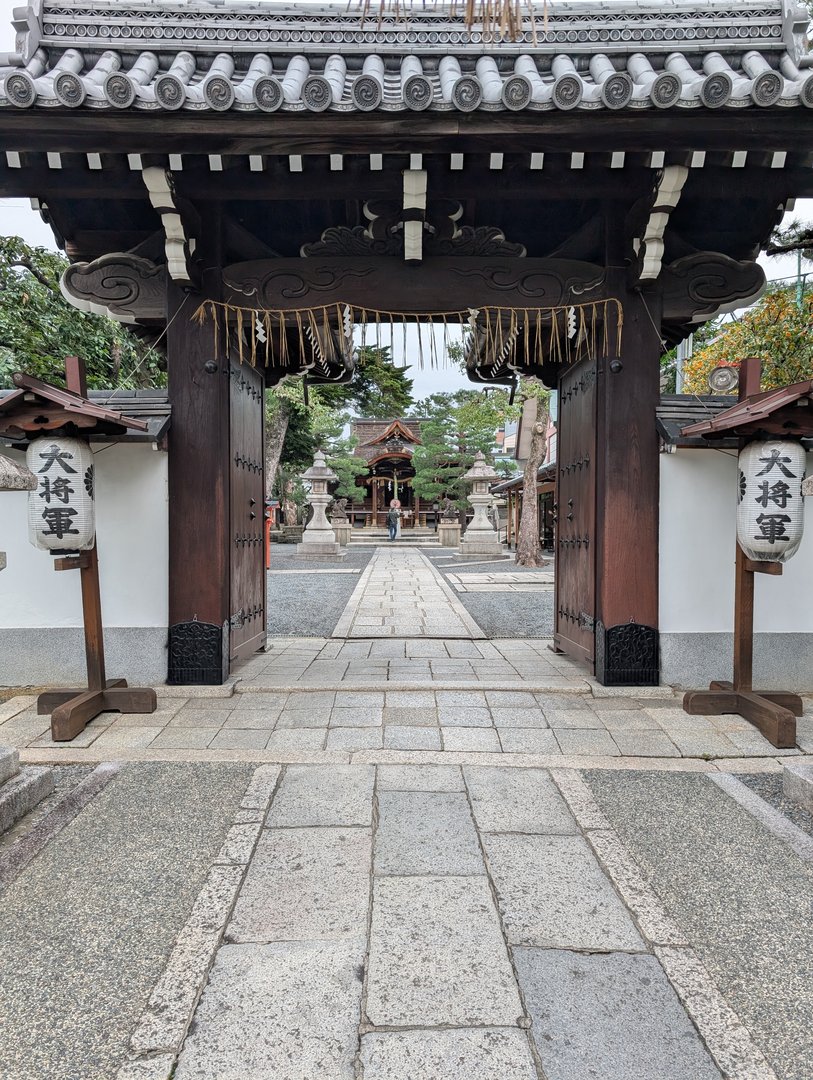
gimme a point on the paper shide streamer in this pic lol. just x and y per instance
(494, 337)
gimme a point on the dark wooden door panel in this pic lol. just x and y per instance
(248, 586)
(575, 598)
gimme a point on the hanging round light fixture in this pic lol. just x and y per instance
(61, 510)
(770, 511)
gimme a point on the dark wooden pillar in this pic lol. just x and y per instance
(627, 491)
(199, 569)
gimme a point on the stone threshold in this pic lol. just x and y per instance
(87, 755)
(538, 686)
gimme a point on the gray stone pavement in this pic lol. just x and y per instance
(388, 922)
(401, 594)
(403, 722)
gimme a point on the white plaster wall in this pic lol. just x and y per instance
(131, 529)
(698, 506)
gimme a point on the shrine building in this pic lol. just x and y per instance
(246, 183)
(387, 447)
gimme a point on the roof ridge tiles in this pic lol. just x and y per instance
(248, 57)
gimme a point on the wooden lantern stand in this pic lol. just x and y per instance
(71, 709)
(38, 407)
(773, 713)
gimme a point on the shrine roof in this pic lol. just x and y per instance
(545, 474)
(371, 432)
(104, 54)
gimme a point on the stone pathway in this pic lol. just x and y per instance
(448, 663)
(400, 594)
(406, 923)
(529, 581)
(409, 724)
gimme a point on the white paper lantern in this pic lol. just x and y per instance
(770, 514)
(61, 511)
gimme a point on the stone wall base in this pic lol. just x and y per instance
(781, 661)
(55, 656)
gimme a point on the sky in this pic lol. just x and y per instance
(17, 218)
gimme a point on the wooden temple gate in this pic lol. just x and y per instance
(244, 183)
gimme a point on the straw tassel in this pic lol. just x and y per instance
(496, 331)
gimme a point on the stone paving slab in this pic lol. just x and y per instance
(291, 996)
(401, 594)
(288, 1011)
(305, 884)
(422, 832)
(419, 778)
(463, 1054)
(512, 801)
(611, 1017)
(323, 795)
(553, 893)
(437, 955)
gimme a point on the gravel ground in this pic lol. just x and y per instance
(66, 778)
(303, 605)
(769, 787)
(740, 894)
(87, 927)
(505, 615)
(511, 615)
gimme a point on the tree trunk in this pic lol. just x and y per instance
(276, 427)
(529, 550)
(288, 504)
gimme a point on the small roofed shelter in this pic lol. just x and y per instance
(511, 492)
(248, 182)
(41, 636)
(786, 411)
(387, 447)
(770, 428)
(36, 407)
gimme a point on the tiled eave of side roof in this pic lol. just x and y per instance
(252, 58)
(151, 406)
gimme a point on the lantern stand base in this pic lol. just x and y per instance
(773, 714)
(72, 710)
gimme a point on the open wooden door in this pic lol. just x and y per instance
(575, 588)
(247, 623)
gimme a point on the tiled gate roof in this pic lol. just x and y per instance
(102, 54)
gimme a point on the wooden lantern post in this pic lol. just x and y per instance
(71, 709)
(773, 713)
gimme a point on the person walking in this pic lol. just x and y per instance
(392, 522)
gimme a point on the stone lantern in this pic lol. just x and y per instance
(319, 540)
(480, 537)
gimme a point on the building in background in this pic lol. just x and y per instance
(387, 447)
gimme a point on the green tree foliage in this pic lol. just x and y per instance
(777, 329)
(459, 424)
(348, 468)
(296, 427)
(378, 390)
(39, 328)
